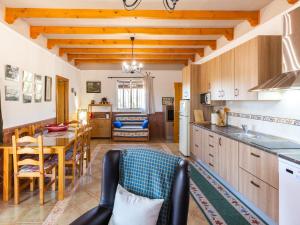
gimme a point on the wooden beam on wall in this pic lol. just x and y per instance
(35, 31)
(119, 61)
(129, 56)
(91, 42)
(199, 51)
(11, 14)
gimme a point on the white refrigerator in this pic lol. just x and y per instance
(184, 127)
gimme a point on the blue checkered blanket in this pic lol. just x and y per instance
(149, 173)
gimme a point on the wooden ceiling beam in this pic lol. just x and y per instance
(92, 42)
(199, 51)
(35, 31)
(11, 14)
(119, 61)
(129, 56)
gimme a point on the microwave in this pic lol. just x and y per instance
(205, 98)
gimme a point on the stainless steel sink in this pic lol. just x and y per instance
(245, 135)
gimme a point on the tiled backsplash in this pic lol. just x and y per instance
(271, 119)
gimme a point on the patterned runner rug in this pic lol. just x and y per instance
(219, 205)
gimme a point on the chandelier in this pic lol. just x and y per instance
(133, 4)
(134, 66)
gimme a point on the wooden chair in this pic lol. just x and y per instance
(74, 156)
(37, 129)
(87, 144)
(27, 167)
(24, 131)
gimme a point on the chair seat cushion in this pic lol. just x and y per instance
(48, 164)
(131, 209)
(69, 155)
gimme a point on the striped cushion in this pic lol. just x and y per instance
(149, 173)
(30, 168)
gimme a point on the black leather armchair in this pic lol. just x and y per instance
(101, 214)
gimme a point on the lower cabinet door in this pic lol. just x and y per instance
(263, 195)
(229, 160)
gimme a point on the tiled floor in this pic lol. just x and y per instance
(84, 196)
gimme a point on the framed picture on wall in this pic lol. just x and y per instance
(48, 89)
(28, 86)
(167, 100)
(93, 87)
(12, 73)
(38, 88)
(12, 93)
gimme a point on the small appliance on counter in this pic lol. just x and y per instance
(214, 118)
(222, 117)
(205, 98)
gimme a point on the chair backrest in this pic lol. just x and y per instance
(87, 134)
(24, 131)
(149, 173)
(78, 143)
(22, 148)
(37, 129)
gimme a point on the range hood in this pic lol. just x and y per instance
(290, 78)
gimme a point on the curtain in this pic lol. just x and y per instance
(149, 95)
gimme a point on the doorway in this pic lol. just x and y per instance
(62, 99)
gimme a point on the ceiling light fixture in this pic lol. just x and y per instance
(133, 4)
(134, 67)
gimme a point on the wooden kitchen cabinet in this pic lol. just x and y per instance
(196, 142)
(256, 61)
(261, 164)
(228, 155)
(263, 195)
(215, 78)
(205, 78)
(227, 75)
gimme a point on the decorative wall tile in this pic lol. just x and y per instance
(270, 119)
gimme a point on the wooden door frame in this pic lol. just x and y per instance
(63, 79)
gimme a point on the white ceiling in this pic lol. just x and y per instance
(246, 5)
(145, 4)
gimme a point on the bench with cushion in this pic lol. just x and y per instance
(131, 129)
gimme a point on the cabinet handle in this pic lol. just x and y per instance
(211, 164)
(211, 155)
(197, 145)
(255, 155)
(254, 184)
(220, 141)
(211, 146)
(211, 136)
(236, 92)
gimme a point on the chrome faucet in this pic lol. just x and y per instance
(245, 128)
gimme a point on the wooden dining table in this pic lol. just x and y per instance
(54, 143)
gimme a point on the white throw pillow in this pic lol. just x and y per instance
(131, 209)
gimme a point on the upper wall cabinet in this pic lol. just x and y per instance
(221, 72)
(256, 61)
(205, 78)
(231, 75)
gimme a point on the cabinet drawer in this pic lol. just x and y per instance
(263, 195)
(259, 163)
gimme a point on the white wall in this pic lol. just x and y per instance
(163, 85)
(20, 51)
(288, 107)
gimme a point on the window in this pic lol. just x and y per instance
(130, 94)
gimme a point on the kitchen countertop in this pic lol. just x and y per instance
(231, 132)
